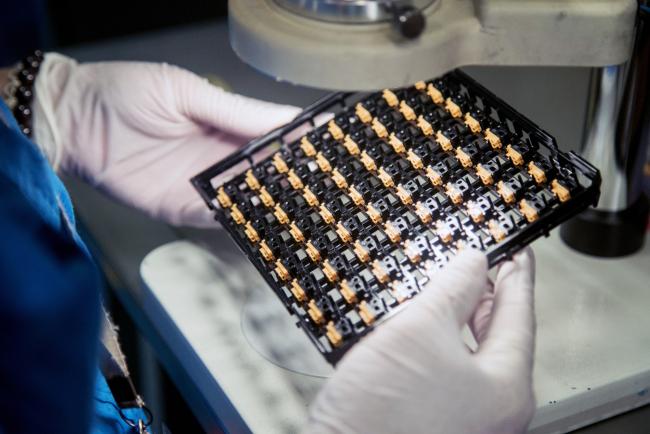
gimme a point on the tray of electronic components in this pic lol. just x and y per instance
(346, 220)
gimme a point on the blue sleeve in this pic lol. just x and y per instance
(49, 323)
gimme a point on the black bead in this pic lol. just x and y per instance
(29, 67)
(26, 76)
(31, 62)
(24, 94)
(22, 113)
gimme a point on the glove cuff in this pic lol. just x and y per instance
(54, 73)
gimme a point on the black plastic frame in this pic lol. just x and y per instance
(588, 196)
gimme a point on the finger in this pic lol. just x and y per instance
(480, 320)
(511, 334)
(458, 287)
(228, 112)
(181, 204)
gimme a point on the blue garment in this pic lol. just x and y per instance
(49, 303)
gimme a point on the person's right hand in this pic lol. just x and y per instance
(414, 373)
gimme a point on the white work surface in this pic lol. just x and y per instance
(229, 334)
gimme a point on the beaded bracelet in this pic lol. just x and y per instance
(20, 90)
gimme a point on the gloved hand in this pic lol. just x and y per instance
(414, 374)
(140, 131)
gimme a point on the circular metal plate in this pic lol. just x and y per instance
(350, 11)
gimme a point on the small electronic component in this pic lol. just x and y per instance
(224, 199)
(348, 293)
(366, 313)
(279, 163)
(315, 313)
(335, 130)
(425, 126)
(407, 111)
(333, 334)
(307, 147)
(346, 222)
(362, 113)
(351, 146)
(266, 252)
(294, 180)
(368, 162)
(356, 197)
(361, 252)
(326, 214)
(297, 291)
(453, 108)
(379, 128)
(312, 252)
(560, 191)
(444, 141)
(472, 123)
(251, 180)
(236, 215)
(435, 94)
(281, 270)
(375, 216)
(330, 272)
(496, 230)
(266, 198)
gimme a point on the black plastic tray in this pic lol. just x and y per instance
(579, 178)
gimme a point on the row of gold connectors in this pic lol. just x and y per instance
(486, 178)
(390, 231)
(374, 215)
(443, 231)
(441, 228)
(392, 234)
(561, 192)
(538, 174)
(328, 270)
(337, 133)
(339, 180)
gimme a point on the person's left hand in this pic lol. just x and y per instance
(140, 131)
(415, 374)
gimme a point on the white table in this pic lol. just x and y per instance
(592, 357)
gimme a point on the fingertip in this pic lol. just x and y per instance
(472, 257)
(522, 261)
(529, 262)
(458, 287)
(468, 265)
(227, 111)
(525, 255)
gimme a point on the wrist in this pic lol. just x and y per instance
(8, 86)
(4, 78)
(55, 75)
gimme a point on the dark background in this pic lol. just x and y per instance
(26, 25)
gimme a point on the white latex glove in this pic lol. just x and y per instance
(414, 374)
(140, 131)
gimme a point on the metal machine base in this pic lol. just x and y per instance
(608, 233)
(369, 56)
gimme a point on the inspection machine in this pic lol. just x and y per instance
(372, 44)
